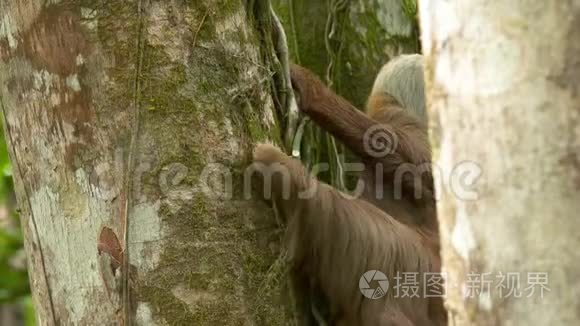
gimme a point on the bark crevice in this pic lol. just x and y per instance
(131, 165)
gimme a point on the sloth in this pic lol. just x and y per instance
(332, 238)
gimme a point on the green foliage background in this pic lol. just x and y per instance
(14, 288)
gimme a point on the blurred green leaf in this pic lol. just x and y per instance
(13, 283)
(29, 314)
(14, 287)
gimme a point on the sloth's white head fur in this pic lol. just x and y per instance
(402, 78)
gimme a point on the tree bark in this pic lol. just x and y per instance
(123, 120)
(504, 93)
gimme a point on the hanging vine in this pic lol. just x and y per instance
(273, 37)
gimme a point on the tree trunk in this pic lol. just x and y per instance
(130, 123)
(504, 93)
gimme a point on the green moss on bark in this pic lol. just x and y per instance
(208, 106)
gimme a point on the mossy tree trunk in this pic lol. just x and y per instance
(504, 93)
(124, 118)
